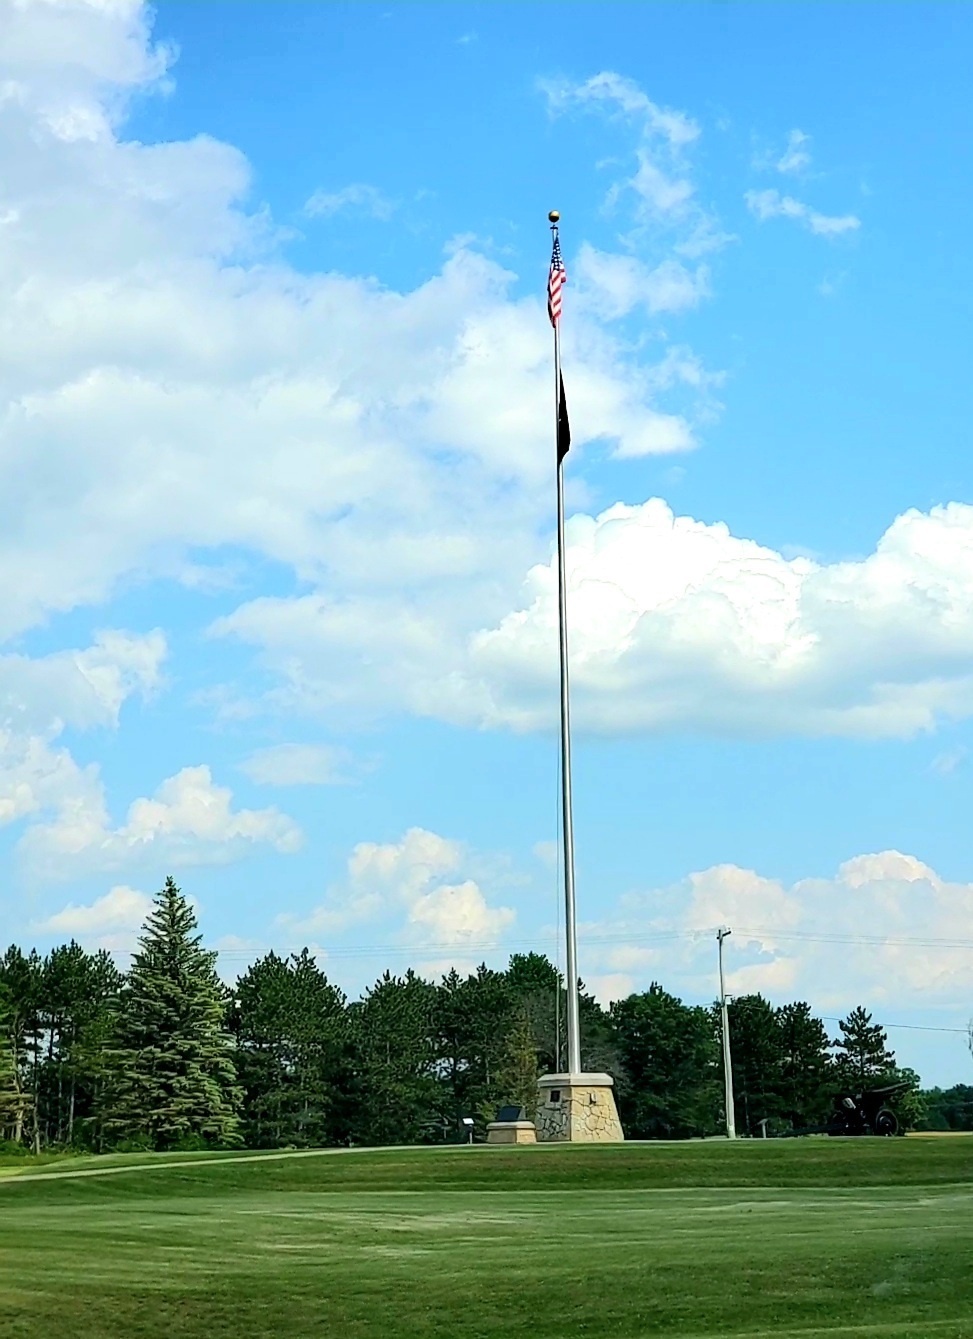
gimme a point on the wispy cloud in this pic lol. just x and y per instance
(617, 283)
(298, 765)
(624, 96)
(796, 157)
(359, 197)
(661, 184)
(831, 283)
(771, 204)
(792, 161)
(950, 761)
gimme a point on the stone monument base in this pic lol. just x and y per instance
(511, 1132)
(579, 1108)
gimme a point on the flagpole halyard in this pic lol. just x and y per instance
(567, 816)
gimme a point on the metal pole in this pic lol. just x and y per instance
(570, 926)
(557, 1000)
(731, 1132)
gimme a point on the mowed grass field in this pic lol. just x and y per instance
(784, 1238)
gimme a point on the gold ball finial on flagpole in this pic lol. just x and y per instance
(554, 216)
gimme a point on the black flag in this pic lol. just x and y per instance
(563, 426)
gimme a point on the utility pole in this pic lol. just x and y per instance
(731, 1132)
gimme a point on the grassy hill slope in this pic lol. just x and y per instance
(807, 1238)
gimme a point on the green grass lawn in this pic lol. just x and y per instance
(784, 1238)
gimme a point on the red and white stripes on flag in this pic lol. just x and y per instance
(556, 280)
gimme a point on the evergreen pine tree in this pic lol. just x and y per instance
(862, 1054)
(291, 1030)
(20, 977)
(393, 1030)
(77, 991)
(11, 1097)
(484, 1044)
(173, 1079)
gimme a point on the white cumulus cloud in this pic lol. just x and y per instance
(171, 388)
(121, 908)
(189, 820)
(81, 688)
(42, 697)
(36, 776)
(421, 884)
(674, 622)
(885, 930)
(677, 623)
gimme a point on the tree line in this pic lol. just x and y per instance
(166, 1056)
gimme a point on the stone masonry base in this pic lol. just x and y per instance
(578, 1107)
(511, 1132)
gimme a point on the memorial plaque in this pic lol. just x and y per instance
(511, 1113)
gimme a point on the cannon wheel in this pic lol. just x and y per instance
(885, 1122)
(839, 1124)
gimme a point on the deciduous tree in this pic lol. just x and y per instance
(806, 1081)
(755, 1044)
(670, 1055)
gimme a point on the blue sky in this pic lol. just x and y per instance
(276, 495)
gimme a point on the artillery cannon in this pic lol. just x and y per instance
(866, 1112)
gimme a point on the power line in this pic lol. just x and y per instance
(487, 946)
(362, 950)
(908, 1027)
(651, 937)
(879, 941)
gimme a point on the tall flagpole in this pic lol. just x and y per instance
(567, 820)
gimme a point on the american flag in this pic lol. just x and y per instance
(556, 280)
